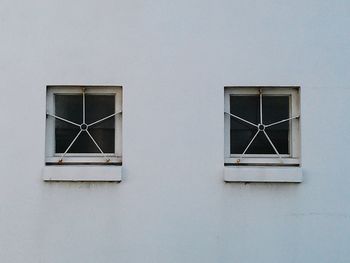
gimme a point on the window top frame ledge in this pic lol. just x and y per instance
(272, 167)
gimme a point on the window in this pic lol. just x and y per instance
(84, 125)
(262, 126)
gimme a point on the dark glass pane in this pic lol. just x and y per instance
(246, 107)
(99, 106)
(275, 108)
(96, 107)
(104, 138)
(240, 139)
(279, 138)
(64, 135)
(69, 107)
(260, 145)
(84, 144)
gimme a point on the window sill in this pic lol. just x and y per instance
(80, 173)
(263, 174)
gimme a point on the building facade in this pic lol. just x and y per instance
(173, 60)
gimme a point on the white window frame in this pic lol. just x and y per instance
(82, 158)
(292, 159)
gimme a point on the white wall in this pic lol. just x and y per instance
(173, 59)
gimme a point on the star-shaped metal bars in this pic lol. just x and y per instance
(260, 128)
(83, 128)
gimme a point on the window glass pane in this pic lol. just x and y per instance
(97, 107)
(279, 138)
(275, 108)
(84, 144)
(240, 138)
(104, 138)
(261, 145)
(69, 107)
(246, 107)
(64, 135)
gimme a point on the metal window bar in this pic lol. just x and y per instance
(62, 119)
(103, 119)
(239, 118)
(278, 122)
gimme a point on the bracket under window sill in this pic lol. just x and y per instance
(81, 173)
(288, 174)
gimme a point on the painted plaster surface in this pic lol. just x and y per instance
(173, 59)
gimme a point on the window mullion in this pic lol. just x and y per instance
(261, 107)
(83, 105)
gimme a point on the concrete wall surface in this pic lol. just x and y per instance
(173, 59)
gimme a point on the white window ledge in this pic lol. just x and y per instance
(263, 174)
(80, 173)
